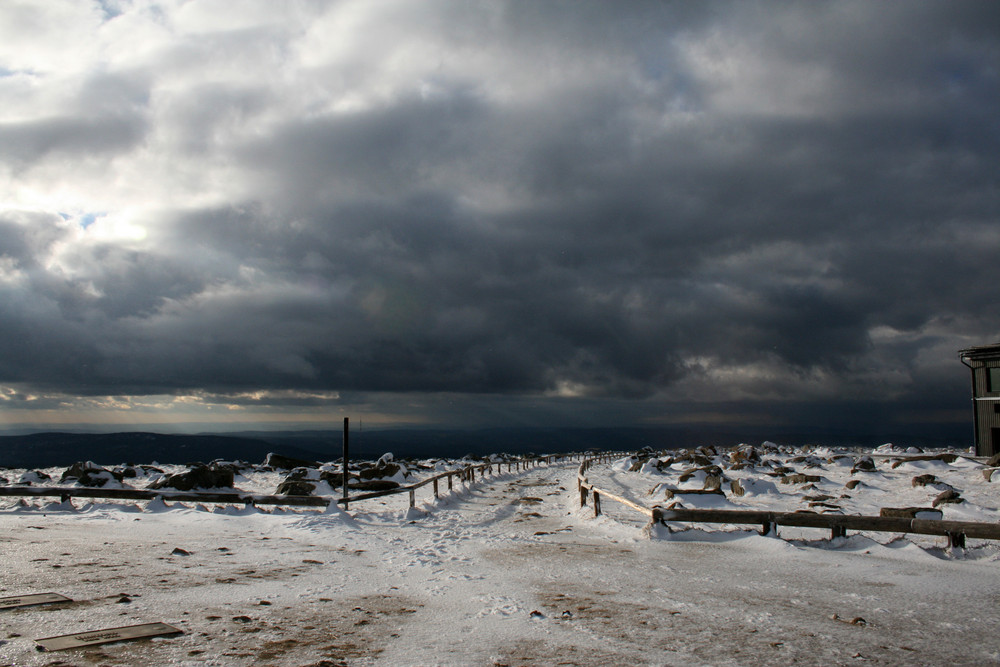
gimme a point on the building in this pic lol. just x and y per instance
(984, 362)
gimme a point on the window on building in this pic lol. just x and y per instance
(993, 379)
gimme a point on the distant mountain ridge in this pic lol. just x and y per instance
(52, 449)
(40, 450)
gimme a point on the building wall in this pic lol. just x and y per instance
(987, 405)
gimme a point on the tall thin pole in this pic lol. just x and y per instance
(346, 474)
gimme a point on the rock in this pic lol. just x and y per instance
(948, 496)
(201, 477)
(808, 461)
(637, 464)
(818, 498)
(853, 483)
(857, 620)
(994, 461)
(822, 505)
(180, 552)
(709, 470)
(736, 488)
(287, 462)
(988, 474)
(33, 477)
(947, 458)
(924, 480)
(864, 464)
(381, 470)
(713, 483)
(800, 478)
(237, 467)
(88, 473)
(744, 454)
(295, 487)
(699, 460)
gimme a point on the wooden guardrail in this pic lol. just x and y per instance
(466, 475)
(838, 524)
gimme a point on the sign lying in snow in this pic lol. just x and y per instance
(107, 636)
(33, 599)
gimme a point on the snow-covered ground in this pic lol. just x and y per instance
(510, 571)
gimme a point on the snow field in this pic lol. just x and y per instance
(508, 571)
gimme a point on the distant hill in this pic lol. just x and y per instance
(62, 449)
(40, 450)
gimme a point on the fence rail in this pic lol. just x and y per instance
(838, 524)
(466, 475)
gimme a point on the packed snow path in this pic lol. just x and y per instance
(509, 572)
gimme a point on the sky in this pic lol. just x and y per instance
(779, 214)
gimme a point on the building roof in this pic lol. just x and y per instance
(991, 351)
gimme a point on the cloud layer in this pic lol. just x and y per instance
(669, 204)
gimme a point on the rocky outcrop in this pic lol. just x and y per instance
(88, 473)
(948, 496)
(800, 478)
(281, 462)
(296, 487)
(864, 464)
(945, 458)
(199, 477)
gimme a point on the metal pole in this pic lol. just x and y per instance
(975, 409)
(346, 475)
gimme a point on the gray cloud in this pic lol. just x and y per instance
(667, 206)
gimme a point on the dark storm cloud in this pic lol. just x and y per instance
(790, 201)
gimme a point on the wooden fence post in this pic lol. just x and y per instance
(413, 500)
(449, 481)
(346, 478)
(597, 503)
(435, 489)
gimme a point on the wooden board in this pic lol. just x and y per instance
(33, 599)
(107, 636)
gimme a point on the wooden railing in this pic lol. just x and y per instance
(838, 524)
(465, 475)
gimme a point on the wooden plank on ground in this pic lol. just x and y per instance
(107, 636)
(32, 599)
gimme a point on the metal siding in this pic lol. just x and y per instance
(987, 418)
